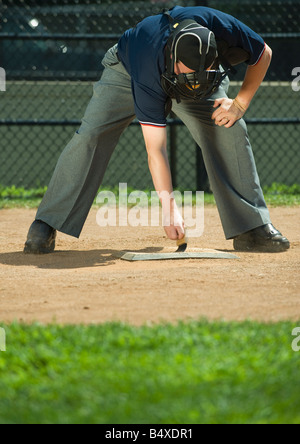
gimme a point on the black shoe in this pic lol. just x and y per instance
(41, 238)
(264, 239)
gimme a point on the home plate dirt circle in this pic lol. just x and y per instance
(85, 281)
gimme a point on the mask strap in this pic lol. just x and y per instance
(166, 13)
(226, 65)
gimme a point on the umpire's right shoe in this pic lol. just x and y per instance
(41, 238)
(264, 239)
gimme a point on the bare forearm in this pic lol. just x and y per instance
(160, 171)
(228, 111)
(253, 78)
(162, 180)
(156, 144)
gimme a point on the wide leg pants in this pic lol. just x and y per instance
(81, 167)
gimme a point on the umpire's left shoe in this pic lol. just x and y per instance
(41, 238)
(264, 239)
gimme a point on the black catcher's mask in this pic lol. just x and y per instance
(195, 46)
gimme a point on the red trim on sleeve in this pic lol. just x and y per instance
(155, 125)
(262, 53)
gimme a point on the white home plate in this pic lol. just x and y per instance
(194, 253)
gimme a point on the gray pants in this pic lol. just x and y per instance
(81, 167)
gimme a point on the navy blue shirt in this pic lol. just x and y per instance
(141, 50)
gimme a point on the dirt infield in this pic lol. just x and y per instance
(84, 281)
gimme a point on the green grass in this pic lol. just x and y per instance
(189, 373)
(13, 197)
(282, 195)
(19, 197)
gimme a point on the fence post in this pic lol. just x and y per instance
(201, 173)
(2, 79)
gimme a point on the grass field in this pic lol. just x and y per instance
(195, 373)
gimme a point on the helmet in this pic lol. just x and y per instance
(195, 46)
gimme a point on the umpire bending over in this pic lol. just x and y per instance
(179, 59)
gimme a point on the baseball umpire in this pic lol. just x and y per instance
(177, 60)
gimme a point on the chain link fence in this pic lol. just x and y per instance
(51, 52)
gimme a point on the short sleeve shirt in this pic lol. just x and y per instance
(141, 50)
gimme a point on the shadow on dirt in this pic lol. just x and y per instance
(60, 260)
